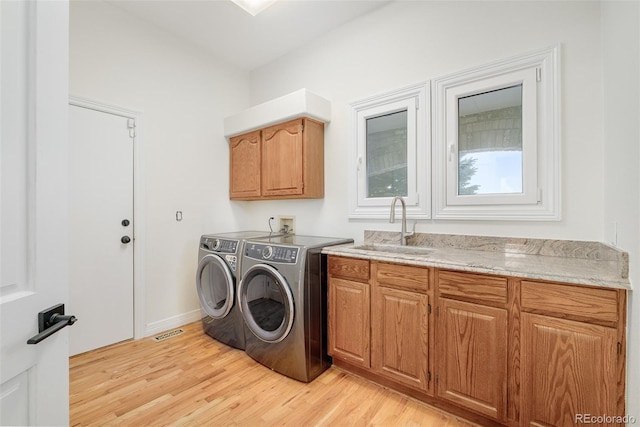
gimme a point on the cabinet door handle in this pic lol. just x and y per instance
(51, 321)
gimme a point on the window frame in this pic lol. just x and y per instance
(540, 199)
(416, 101)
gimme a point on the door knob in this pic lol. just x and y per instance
(125, 222)
(51, 321)
(125, 239)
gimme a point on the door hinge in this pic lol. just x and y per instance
(428, 377)
(131, 125)
(437, 378)
(428, 308)
(438, 310)
(417, 103)
(619, 349)
(538, 74)
(539, 195)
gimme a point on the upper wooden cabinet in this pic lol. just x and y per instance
(283, 161)
(245, 156)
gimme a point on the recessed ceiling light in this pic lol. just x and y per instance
(254, 7)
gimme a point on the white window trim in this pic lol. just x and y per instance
(541, 200)
(418, 201)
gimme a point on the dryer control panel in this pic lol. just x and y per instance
(225, 246)
(283, 254)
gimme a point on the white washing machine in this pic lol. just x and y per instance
(217, 277)
(283, 299)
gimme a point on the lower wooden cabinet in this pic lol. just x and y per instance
(349, 333)
(508, 351)
(349, 310)
(471, 367)
(399, 325)
(568, 371)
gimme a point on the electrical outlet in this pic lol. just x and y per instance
(286, 224)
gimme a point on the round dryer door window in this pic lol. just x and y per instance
(266, 303)
(215, 285)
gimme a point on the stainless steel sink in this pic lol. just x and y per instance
(397, 249)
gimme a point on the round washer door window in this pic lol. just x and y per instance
(266, 303)
(215, 285)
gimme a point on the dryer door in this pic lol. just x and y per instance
(216, 286)
(266, 303)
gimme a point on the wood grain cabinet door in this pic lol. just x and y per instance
(282, 157)
(471, 364)
(348, 321)
(568, 371)
(399, 336)
(244, 182)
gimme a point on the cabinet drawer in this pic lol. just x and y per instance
(349, 268)
(403, 276)
(473, 286)
(596, 304)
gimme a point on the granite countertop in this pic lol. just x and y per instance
(578, 262)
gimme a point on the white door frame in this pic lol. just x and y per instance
(138, 206)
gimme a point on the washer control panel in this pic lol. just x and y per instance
(262, 252)
(225, 246)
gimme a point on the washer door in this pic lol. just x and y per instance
(266, 303)
(215, 285)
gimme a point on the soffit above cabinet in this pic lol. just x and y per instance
(300, 103)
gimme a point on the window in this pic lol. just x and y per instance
(391, 153)
(386, 149)
(496, 141)
(490, 142)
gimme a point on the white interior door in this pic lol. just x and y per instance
(101, 228)
(34, 379)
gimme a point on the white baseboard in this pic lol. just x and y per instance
(155, 328)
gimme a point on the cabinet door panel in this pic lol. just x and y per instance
(245, 166)
(472, 356)
(282, 151)
(349, 321)
(568, 368)
(399, 336)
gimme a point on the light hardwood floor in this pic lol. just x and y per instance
(192, 380)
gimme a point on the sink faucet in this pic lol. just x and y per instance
(392, 218)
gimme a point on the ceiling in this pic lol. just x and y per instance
(234, 36)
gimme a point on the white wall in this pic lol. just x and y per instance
(183, 95)
(621, 153)
(408, 42)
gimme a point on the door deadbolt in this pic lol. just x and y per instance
(125, 222)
